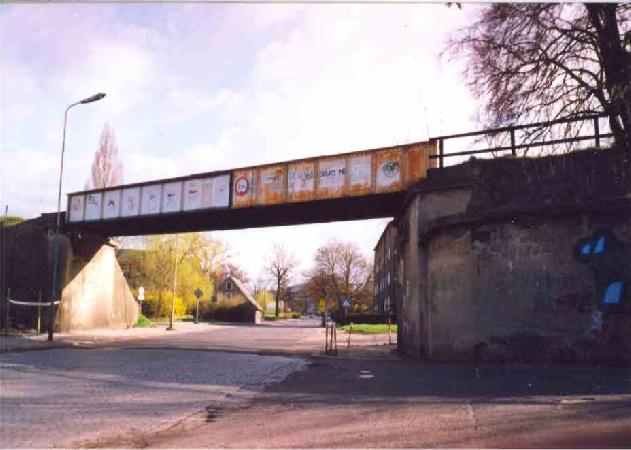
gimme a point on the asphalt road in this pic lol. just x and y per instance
(70, 397)
(346, 403)
(237, 386)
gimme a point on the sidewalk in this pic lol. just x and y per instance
(25, 341)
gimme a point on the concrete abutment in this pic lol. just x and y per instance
(519, 260)
(95, 293)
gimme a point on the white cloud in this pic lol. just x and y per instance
(189, 91)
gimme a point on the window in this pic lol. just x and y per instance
(388, 278)
(229, 285)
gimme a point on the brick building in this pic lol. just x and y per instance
(385, 270)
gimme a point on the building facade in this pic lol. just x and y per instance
(233, 302)
(385, 271)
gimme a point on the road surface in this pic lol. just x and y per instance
(177, 390)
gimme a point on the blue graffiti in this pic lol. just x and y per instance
(613, 294)
(609, 260)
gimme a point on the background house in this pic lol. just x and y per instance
(233, 302)
(385, 267)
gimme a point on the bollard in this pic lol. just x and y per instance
(39, 312)
(8, 306)
(350, 331)
(389, 334)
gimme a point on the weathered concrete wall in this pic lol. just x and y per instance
(499, 272)
(410, 332)
(97, 295)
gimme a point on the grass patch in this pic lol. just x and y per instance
(367, 328)
(143, 322)
(271, 315)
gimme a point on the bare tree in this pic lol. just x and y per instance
(106, 169)
(543, 61)
(340, 272)
(258, 285)
(280, 265)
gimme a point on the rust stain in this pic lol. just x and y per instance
(271, 185)
(301, 182)
(350, 174)
(360, 174)
(418, 162)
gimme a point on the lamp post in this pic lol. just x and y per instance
(177, 254)
(53, 311)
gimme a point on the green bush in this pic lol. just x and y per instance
(143, 322)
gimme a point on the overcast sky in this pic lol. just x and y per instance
(200, 87)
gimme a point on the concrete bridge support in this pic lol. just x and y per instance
(519, 260)
(95, 293)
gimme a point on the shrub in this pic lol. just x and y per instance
(143, 322)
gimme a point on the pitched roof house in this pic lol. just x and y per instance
(235, 303)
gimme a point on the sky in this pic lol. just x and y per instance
(197, 87)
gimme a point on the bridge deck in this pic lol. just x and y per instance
(316, 211)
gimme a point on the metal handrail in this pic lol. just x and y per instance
(597, 136)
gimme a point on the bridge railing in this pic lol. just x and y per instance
(518, 139)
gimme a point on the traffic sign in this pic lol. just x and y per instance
(346, 303)
(141, 293)
(321, 305)
(198, 293)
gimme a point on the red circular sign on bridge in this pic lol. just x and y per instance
(241, 186)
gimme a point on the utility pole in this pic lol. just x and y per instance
(3, 270)
(177, 255)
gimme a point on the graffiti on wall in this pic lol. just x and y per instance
(610, 260)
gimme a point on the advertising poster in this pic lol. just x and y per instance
(388, 170)
(130, 202)
(151, 195)
(111, 204)
(76, 208)
(360, 176)
(331, 177)
(220, 192)
(192, 194)
(171, 197)
(93, 206)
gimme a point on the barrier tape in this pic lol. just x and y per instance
(16, 302)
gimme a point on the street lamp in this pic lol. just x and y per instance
(94, 98)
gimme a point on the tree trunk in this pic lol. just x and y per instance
(277, 295)
(616, 64)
